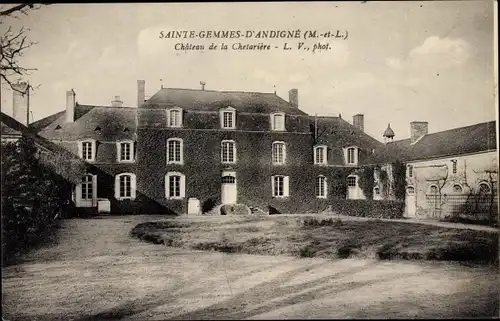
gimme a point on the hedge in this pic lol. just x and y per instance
(32, 196)
(369, 208)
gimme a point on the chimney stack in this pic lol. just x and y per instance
(358, 121)
(20, 102)
(117, 102)
(293, 97)
(70, 106)
(418, 129)
(141, 92)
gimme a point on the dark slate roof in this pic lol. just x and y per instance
(336, 133)
(463, 140)
(10, 126)
(97, 122)
(211, 100)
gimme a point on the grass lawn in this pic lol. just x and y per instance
(311, 236)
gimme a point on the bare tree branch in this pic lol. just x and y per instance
(13, 44)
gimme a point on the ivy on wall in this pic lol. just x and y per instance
(384, 181)
(339, 184)
(399, 173)
(366, 181)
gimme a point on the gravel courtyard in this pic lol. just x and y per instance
(97, 271)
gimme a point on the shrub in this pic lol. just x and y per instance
(369, 208)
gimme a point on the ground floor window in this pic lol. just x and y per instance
(279, 186)
(125, 186)
(174, 185)
(87, 187)
(321, 187)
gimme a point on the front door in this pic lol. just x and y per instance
(228, 188)
(86, 192)
(411, 205)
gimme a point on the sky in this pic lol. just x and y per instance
(402, 61)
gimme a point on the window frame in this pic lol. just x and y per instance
(233, 143)
(133, 187)
(84, 191)
(272, 119)
(355, 150)
(285, 189)
(324, 149)
(181, 151)
(169, 116)
(350, 178)
(182, 186)
(283, 153)
(410, 171)
(230, 110)
(454, 166)
(323, 188)
(119, 151)
(93, 149)
(412, 188)
(430, 189)
(483, 183)
(459, 185)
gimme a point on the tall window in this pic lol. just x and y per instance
(351, 155)
(87, 187)
(174, 151)
(228, 118)
(87, 150)
(279, 186)
(228, 151)
(174, 185)
(278, 121)
(454, 166)
(321, 187)
(320, 155)
(125, 151)
(410, 171)
(125, 186)
(351, 181)
(279, 153)
(175, 117)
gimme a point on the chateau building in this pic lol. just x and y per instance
(189, 150)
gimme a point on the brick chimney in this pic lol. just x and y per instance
(418, 129)
(117, 102)
(141, 92)
(293, 97)
(20, 102)
(358, 121)
(70, 106)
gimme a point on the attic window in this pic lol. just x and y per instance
(98, 129)
(126, 130)
(58, 127)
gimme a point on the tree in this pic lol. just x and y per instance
(13, 43)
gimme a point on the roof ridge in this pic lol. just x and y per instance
(223, 91)
(122, 107)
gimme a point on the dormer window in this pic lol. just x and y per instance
(174, 117)
(97, 129)
(125, 151)
(228, 118)
(351, 155)
(278, 121)
(320, 155)
(87, 150)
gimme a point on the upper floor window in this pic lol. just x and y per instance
(410, 171)
(87, 150)
(352, 156)
(175, 185)
(175, 151)
(454, 166)
(320, 155)
(125, 151)
(174, 117)
(278, 121)
(321, 187)
(376, 191)
(228, 151)
(228, 118)
(125, 186)
(279, 186)
(279, 153)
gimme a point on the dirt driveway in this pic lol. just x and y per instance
(98, 272)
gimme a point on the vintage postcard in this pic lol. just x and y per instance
(259, 160)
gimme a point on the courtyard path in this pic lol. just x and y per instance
(96, 272)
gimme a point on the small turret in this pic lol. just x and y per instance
(388, 134)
